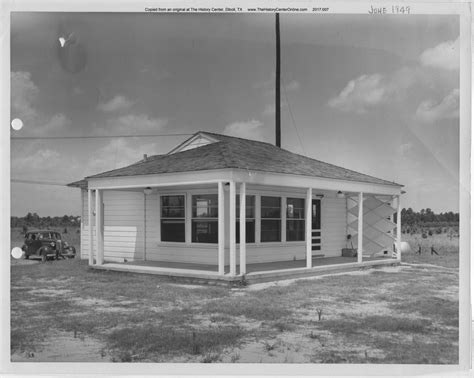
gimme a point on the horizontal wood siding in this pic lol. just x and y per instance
(85, 226)
(152, 225)
(333, 226)
(123, 225)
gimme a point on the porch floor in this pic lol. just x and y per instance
(257, 267)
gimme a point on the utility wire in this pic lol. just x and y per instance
(293, 120)
(95, 136)
(21, 181)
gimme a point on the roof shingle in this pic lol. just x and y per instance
(233, 152)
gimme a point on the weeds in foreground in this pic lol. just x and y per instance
(283, 326)
(210, 358)
(146, 340)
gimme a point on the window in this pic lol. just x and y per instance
(295, 230)
(172, 218)
(249, 219)
(270, 228)
(204, 225)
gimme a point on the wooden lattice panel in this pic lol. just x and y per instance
(377, 225)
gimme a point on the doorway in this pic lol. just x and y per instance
(316, 227)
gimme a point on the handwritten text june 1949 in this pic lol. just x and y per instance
(394, 9)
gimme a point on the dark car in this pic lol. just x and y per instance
(47, 243)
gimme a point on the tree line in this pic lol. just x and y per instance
(427, 220)
(33, 220)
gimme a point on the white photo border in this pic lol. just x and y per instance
(347, 7)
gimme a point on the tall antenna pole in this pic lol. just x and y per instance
(277, 83)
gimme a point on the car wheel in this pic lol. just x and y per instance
(44, 256)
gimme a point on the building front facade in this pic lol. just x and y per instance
(220, 204)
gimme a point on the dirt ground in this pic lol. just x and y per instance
(64, 311)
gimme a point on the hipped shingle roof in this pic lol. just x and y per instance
(233, 152)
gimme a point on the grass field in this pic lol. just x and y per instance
(64, 311)
(447, 248)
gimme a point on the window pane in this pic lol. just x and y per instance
(172, 212)
(270, 230)
(271, 207)
(204, 231)
(249, 231)
(295, 208)
(271, 201)
(172, 206)
(205, 206)
(249, 206)
(295, 230)
(172, 230)
(172, 201)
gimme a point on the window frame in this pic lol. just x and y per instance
(289, 219)
(263, 219)
(192, 218)
(172, 194)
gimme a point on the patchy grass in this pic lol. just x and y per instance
(376, 323)
(148, 340)
(446, 246)
(250, 306)
(390, 315)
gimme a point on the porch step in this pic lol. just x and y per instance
(260, 277)
(208, 278)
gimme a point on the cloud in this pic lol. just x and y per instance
(371, 90)
(268, 86)
(77, 91)
(368, 91)
(292, 86)
(445, 55)
(430, 111)
(117, 153)
(38, 161)
(116, 104)
(132, 124)
(56, 123)
(151, 73)
(361, 93)
(404, 148)
(269, 109)
(251, 129)
(23, 94)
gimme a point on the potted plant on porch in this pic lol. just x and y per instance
(349, 252)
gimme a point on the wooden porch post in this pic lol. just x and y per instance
(399, 228)
(309, 253)
(89, 215)
(242, 224)
(98, 227)
(221, 231)
(232, 259)
(360, 221)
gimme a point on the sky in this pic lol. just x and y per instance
(379, 95)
